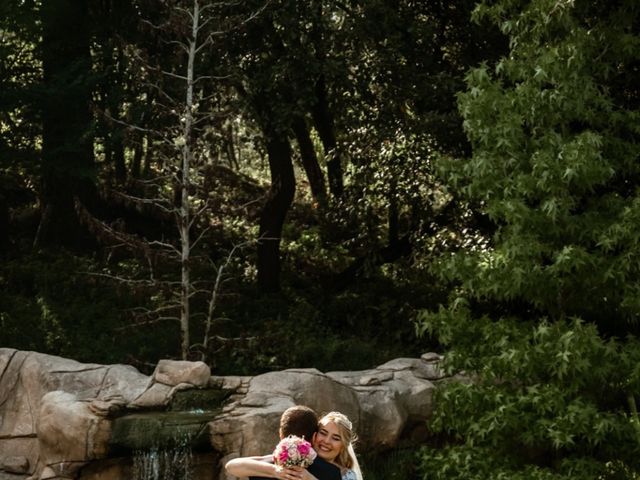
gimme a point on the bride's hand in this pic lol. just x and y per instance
(304, 473)
(293, 473)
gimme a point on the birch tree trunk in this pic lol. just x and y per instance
(185, 186)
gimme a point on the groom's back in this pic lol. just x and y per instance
(323, 470)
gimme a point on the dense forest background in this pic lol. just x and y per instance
(272, 183)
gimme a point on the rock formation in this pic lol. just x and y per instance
(60, 419)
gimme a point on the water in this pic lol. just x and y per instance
(173, 463)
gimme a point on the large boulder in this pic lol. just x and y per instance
(70, 434)
(385, 404)
(60, 418)
(26, 378)
(249, 424)
(56, 414)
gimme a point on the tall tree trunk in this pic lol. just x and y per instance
(323, 121)
(140, 164)
(4, 224)
(110, 102)
(231, 148)
(67, 156)
(138, 151)
(273, 214)
(117, 146)
(393, 216)
(118, 132)
(310, 161)
(187, 165)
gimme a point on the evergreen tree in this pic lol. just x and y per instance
(67, 148)
(554, 133)
(554, 128)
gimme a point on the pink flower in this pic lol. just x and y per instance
(294, 451)
(304, 448)
(284, 455)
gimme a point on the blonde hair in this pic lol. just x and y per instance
(347, 456)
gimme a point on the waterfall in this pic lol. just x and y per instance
(163, 463)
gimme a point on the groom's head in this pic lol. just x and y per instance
(300, 421)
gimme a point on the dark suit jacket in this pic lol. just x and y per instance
(321, 469)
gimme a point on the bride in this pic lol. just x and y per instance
(334, 443)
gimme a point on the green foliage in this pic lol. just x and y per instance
(308, 325)
(306, 246)
(20, 70)
(384, 72)
(53, 302)
(554, 129)
(541, 312)
(544, 400)
(397, 464)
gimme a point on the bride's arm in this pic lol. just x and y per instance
(258, 467)
(250, 467)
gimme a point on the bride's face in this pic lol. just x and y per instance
(328, 442)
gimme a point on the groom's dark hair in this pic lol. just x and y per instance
(299, 420)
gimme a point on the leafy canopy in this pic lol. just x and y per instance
(554, 128)
(541, 312)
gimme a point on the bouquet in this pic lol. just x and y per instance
(294, 451)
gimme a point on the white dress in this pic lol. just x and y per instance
(349, 475)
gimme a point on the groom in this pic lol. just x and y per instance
(302, 421)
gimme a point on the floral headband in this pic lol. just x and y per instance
(339, 418)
